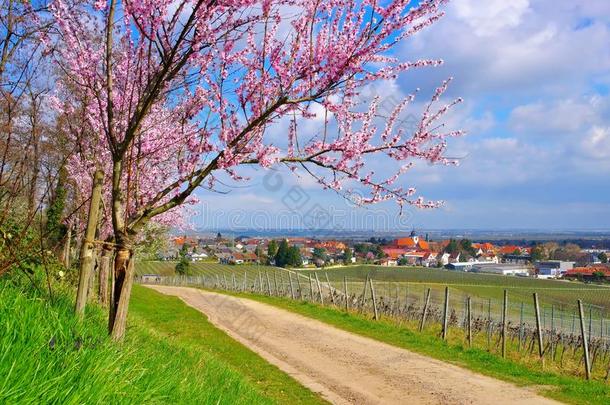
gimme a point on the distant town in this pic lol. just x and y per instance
(548, 259)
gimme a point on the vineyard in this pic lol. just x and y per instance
(497, 313)
(167, 268)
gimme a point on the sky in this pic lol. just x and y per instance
(535, 79)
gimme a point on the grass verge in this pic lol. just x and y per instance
(172, 354)
(186, 327)
(553, 385)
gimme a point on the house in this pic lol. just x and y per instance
(454, 257)
(197, 257)
(489, 258)
(394, 253)
(552, 268)
(517, 258)
(444, 259)
(509, 250)
(429, 259)
(386, 261)
(591, 273)
(414, 258)
(244, 258)
(484, 248)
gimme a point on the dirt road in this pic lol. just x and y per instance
(346, 368)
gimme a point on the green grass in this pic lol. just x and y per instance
(167, 268)
(549, 383)
(171, 355)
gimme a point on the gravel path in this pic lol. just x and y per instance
(343, 367)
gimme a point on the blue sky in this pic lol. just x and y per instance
(534, 75)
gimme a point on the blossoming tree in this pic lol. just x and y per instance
(173, 93)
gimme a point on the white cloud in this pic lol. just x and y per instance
(596, 144)
(559, 117)
(490, 16)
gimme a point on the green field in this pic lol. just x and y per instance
(167, 268)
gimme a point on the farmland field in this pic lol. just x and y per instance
(551, 292)
(167, 268)
(562, 294)
(558, 299)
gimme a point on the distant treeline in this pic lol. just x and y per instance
(582, 243)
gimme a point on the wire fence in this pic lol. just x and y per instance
(573, 339)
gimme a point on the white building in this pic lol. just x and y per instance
(197, 257)
(504, 269)
(552, 268)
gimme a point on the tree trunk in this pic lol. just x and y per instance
(67, 247)
(104, 274)
(123, 281)
(87, 246)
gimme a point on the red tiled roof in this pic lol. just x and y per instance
(507, 250)
(394, 253)
(408, 242)
(588, 271)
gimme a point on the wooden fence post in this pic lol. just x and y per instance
(245, 281)
(363, 296)
(310, 288)
(445, 314)
(330, 289)
(275, 283)
(298, 276)
(104, 273)
(422, 322)
(504, 321)
(469, 325)
(345, 292)
(291, 288)
(268, 283)
(585, 344)
(234, 283)
(374, 299)
(539, 328)
(319, 289)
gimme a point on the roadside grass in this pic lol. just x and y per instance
(188, 328)
(171, 355)
(548, 382)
